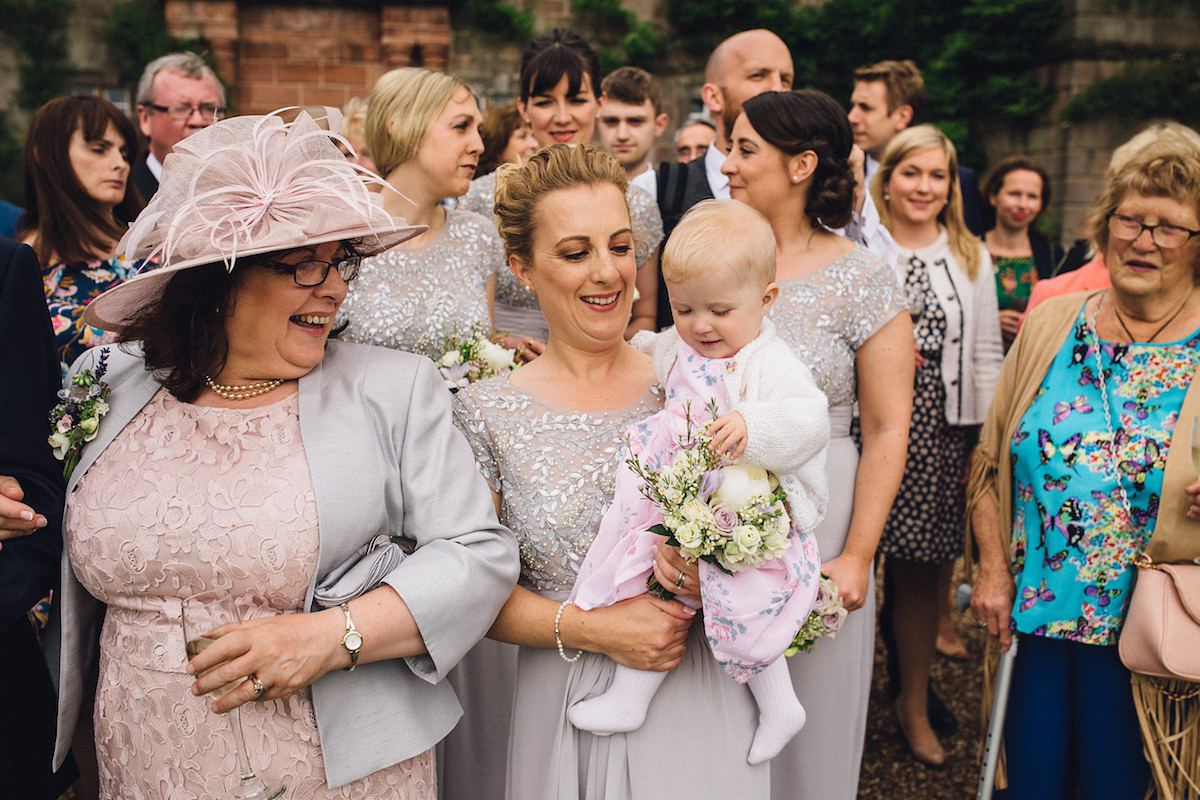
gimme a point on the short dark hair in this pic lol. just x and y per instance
(67, 221)
(806, 119)
(902, 81)
(182, 331)
(556, 53)
(632, 86)
(995, 178)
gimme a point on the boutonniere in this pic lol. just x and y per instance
(75, 421)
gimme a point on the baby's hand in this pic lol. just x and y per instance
(728, 435)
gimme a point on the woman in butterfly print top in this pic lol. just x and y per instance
(1091, 397)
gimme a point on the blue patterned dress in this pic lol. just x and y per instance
(1073, 544)
(69, 288)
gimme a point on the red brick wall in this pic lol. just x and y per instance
(274, 56)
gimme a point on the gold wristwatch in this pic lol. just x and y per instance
(353, 640)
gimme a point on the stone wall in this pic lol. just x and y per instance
(1096, 41)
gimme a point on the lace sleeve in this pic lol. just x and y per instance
(469, 419)
(880, 300)
(646, 221)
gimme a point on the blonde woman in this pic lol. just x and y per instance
(423, 134)
(949, 284)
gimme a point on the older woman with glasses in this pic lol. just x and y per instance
(245, 454)
(1083, 465)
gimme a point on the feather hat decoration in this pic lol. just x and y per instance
(242, 187)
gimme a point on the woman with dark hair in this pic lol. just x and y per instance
(244, 454)
(841, 312)
(560, 97)
(1017, 190)
(950, 289)
(507, 139)
(79, 201)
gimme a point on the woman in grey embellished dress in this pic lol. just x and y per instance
(547, 438)
(560, 95)
(841, 311)
(423, 132)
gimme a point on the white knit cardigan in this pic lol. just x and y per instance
(787, 416)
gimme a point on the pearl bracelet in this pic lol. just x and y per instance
(558, 638)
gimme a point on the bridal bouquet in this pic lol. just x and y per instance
(473, 358)
(731, 515)
(75, 421)
(825, 620)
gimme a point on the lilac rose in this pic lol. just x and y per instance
(724, 517)
(710, 481)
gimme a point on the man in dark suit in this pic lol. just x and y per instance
(31, 503)
(888, 97)
(178, 94)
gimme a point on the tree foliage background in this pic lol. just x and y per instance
(978, 57)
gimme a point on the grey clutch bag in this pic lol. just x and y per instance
(363, 570)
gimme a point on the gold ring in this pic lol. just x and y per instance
(259, 687)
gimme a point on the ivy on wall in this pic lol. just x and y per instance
(494, 18)
(37, 30)
(620, 38)
(978, 56)
(137, 34)
(1143, 90)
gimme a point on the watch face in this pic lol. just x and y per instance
(352, 640)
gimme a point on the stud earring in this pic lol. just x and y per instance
(886, 197)
(795, 179)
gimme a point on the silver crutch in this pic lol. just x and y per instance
(995, 731)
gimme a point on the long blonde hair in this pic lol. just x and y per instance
(963, 243)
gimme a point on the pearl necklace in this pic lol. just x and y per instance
(243, 392)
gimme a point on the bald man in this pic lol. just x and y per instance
(745, 64)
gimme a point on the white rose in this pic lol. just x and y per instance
(496, 357)
(689, 535)
(452, 358)
(741, 483)
(673, 496)
(748, 538)
(61, 445)
(775, 542)
(696, 510)
(733, 554)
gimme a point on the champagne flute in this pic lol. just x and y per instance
(202, 614)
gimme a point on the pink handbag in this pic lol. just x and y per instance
(1161, 634)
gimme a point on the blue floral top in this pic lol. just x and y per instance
(1072, 544)
(69, 288)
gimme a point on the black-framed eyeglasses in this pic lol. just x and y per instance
(181, 111)
(1163, 234)
(313, 273)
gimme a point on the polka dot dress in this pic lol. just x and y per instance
(926, 521)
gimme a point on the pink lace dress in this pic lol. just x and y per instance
(188, 499)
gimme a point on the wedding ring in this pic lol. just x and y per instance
(259, 687)
(679, 581)
(980, 623)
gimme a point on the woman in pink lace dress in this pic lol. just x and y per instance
(245, 453)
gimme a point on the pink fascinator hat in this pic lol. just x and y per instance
(242, 187)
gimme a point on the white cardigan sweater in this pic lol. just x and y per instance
(972, 352)
(787, 416)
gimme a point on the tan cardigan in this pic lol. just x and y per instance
(1176, 537)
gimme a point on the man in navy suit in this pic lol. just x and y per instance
(31, 503)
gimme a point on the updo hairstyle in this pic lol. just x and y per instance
(558, 166)
(806, 119)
